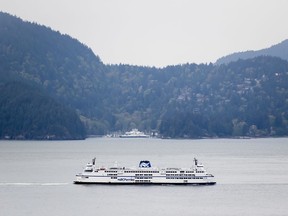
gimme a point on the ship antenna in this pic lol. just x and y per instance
(196, 161)
(94, 160)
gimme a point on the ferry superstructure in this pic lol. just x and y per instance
(144, 174)
(134, 133)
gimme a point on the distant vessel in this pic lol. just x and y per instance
(134, 133)
(145, 174)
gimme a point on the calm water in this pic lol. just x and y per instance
(36, 177)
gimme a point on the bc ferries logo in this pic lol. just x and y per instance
(125, 179)
(144, 164)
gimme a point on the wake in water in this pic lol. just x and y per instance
(33, 184)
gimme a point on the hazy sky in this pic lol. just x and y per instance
(161, 32)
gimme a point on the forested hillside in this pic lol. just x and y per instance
(27, 113)
(242, 98)
(30, 55)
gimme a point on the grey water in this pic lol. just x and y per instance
(36, 177)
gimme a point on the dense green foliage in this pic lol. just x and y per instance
(243, 98)
(27, 113)
(66, 68)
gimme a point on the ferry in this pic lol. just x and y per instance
(145, 174)
(134, 133)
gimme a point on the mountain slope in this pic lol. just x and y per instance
(27, 113)
(67, 69)
(243, 98)
(279, 50)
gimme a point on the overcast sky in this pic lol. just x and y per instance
(161, 32)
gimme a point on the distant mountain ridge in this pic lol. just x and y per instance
(279, 50)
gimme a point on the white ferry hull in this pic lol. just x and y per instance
(132, 136)
(89, 181)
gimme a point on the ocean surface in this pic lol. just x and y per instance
(36, 177)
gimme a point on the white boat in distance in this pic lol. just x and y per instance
(134, 133)
(145, 174)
